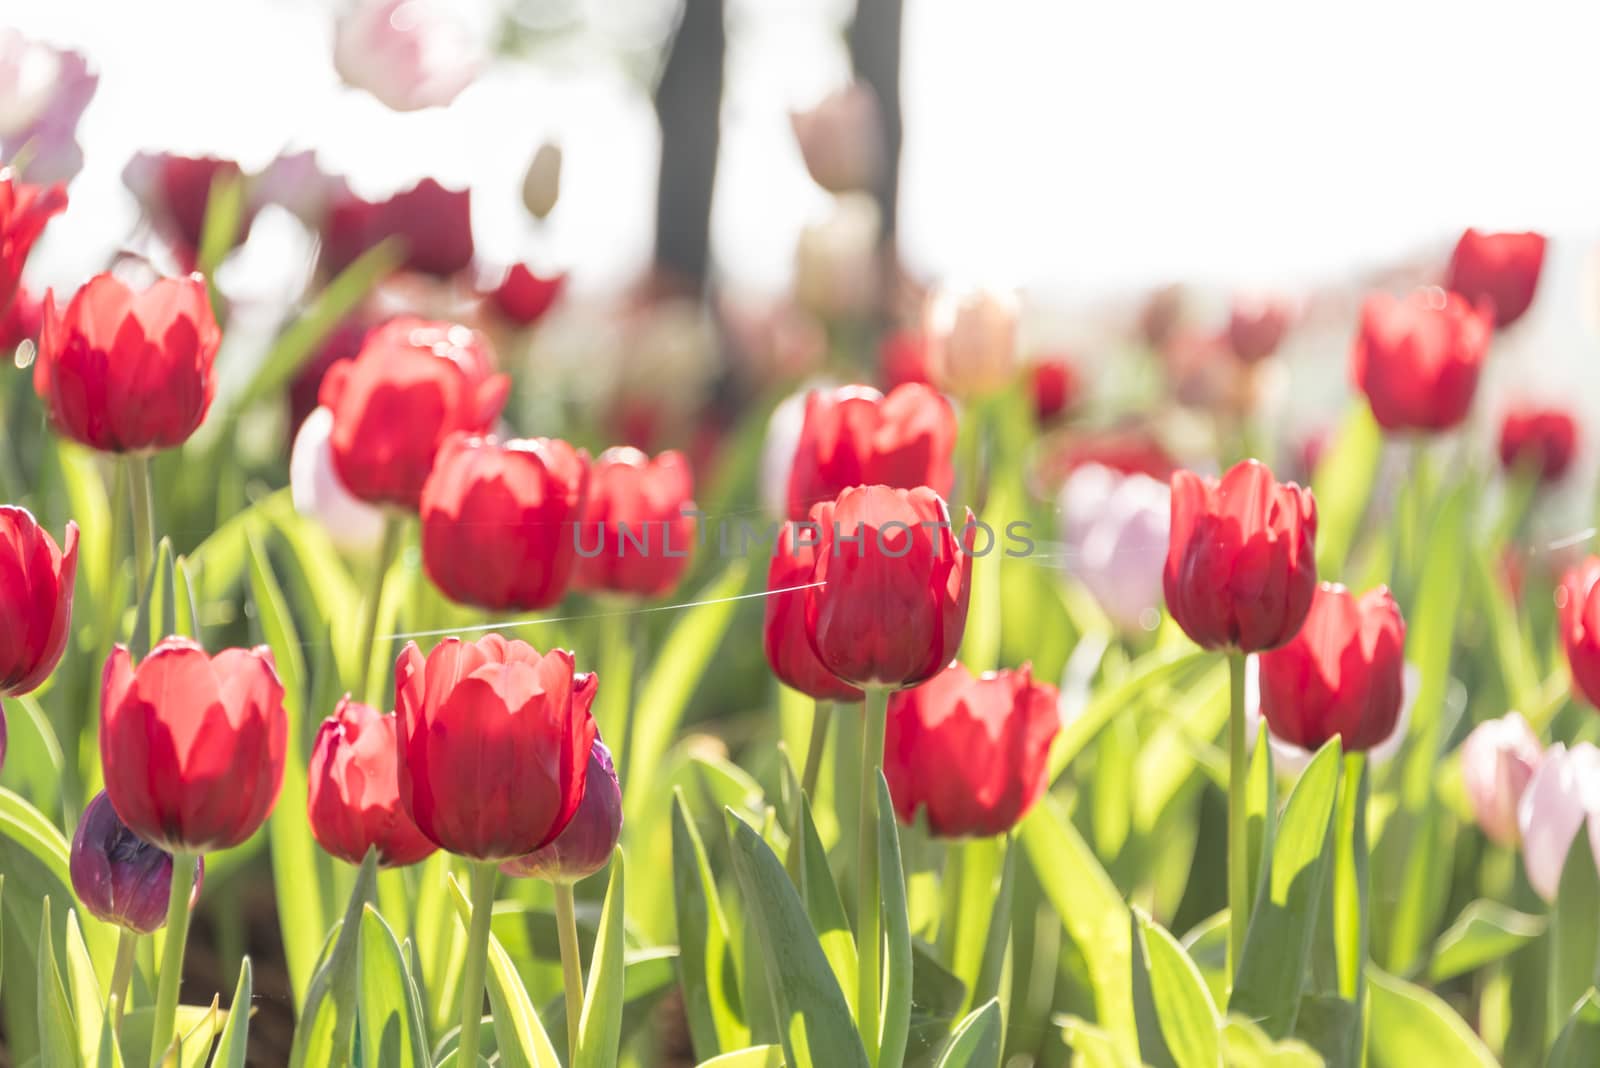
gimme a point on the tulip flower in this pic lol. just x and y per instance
(541, 186)
(855, 436)
(1114, 532)
(778, 448)
(1256, 327)
(36, 585)
(1578, 618)
(119, 877)
(839, 139)
(412, 385)
(838, 273)
(354, 802)
(175, 191)
(1291, 759)
(314, 486)
(127, 372)
(972, 337)
(432, 224)
(1240, 570)
(297, 183)
(499, 520)
(20, 322)
(1500, 270)
(1555, 804)
(1545, 439)
(585, 846)
(522, 298)
(1341, 676)
(1498, 760)
(970, 752)
(638, 523)
(903, 358)
(192, 745)
(1055, 388)
(24, 211)
(788, 647)
(43, 92)
(1127, 451)
(1417, 360)
(410, 54)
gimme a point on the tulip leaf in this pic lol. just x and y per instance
(825, 907)
(222, 222)
(600, 1026)
(108, 1051)
(83, 989)
(1273, 966)
(752, 1057)
(391, 1035)
(706, 970)
(159, 617)
(35, 764)
(1261, 810)
(1247, 1046)
(897, 970)
(1342, 486)
(1177, 1020)
(1409, 1026)
(1574, 932)
(1578, 1044)
(972, 875)
(519, 1035)
(186, 617)
(235, 1040)
(57, 1028)
(1161, 666)
(1093, 1046)
(975, 1042)
(813, 1016)
(1485, 932)
(328, 1013)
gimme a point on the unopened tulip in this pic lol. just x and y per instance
(522, 298)
(1544, 439)
(192, 745)
(431, 224)
(970, 752)
(891, 576)
(413, 384)
(1291, 759)
(36, 584)
(585, 846)
(1498, 760)
(499, 520)
(541, 186)
(1500, 270)
(1241, 569)
(856, 436)
(119, 877)
(314, 486)
(1557, 801)
(1114, 531)
(494, 744)
(1578, 618)
(125, 371)
(788, 647)
(1054, 386)
(1417, 359)
(638, 523)
(1256, 327)
(24, 211)
(972, 337)
(43, 92)
(839, 139)
(410, 54)
(354, 799)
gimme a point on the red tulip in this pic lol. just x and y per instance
(789, 651)
(1240, 566)
(523, 298)
(127, 372)
(1256, 327)
(499, 519)
(36, 581)
(856, 436)
(1128, 451)
(119, 877)
(1418, 359)
(1341, 675)
(354, 802)
(638, 525)
(1055, 388)
(1500, 269)
(412, 385)
(176, 192)
(1578, 614)
(24, 211)
(433, 225)
(22, 321)
(1545, 438)
(494, 744)
(192, 745)
(891, 601)
(970, 752)
(904, 358)
(585, 846)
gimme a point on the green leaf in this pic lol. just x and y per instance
(1261, 810)
(705, 963)
(1578, 1044)
(1350, 904)
(976, 1040)
(972, 873)
(1273, 966)
(647, 976)
(83, 989)
(1247, 1046)
(992, 964)
(1409, 1026)
(1574, 932)
(817, 1029)
(186, 617)
(1342, 486)
(329, 1010)
(1094, 1046)
(235, 1041)
(519, 1036)
(825, 907)
(222, 225)
(1486, 931)
(1149, 671)
(600, 1027)
(1177, 1020)
(753, 1057)
(391, 1035)
(57, 1028)
(108, 1052)
(897, 969)
(160, 616)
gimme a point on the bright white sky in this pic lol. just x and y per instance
(1072, 145)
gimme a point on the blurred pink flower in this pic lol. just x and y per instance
(1559, 798)
(1498, 760)
(43, 91)
(1115, 530)
(410, 54)
(839, 139)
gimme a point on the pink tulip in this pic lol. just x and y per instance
(410, 54)
(1557, 801)
(1498, 760)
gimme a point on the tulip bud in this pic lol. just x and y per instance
(410, 54)
(638, 523)
(494, 744)
(1417, 360)
(119, 877)
(1499, 270)
(1542, 438)
(973, 339)
(1291, 759)
(1557, 801)
(856, 436)
(1241, 570)
(1256, 327)
(354, 798)
(586, 844)
(1498, 760)
(432, 224)
(541, 186)
(840, 138)
(1055, 388)
(1115, 533)
(43, 91)
(971, 752)
(522, 297)
(787, 645)
(1578, 617)
(24, 211)
(353, 525)
(35, 602)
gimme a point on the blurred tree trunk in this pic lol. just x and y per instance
(688, 104)
(875, 55)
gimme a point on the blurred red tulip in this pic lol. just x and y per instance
(970, 752)
(343, 342)
(1241, 571)
(1501, 270)
(1418, 359)
(175, 191)
(1544, 438)
(1256, 327)
(856, 436)
(36, 584)
(1127, 450)
(192, 745)
(499, 520)
(433, 225)
(22, 321)
(354, 801)
(1342, 674)
(903, 358)
(638, 526)
(522, 297)
(412, 385)
(494, 744)
(24, 211)
(1055, 387)
(1578, 614)
(118, 876)
(890, 603)
(127, 372)
(789, 651)
(585, 846)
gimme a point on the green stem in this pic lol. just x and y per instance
(1238, 832)
(571, 964)
(869, 939)
(122, 973)
(393, 528)
(821, 721)
(171, 975)
(483, 879)
(144, 522)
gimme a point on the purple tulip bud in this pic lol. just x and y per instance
(1498, 760)
(586, 844)
(119, 876)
